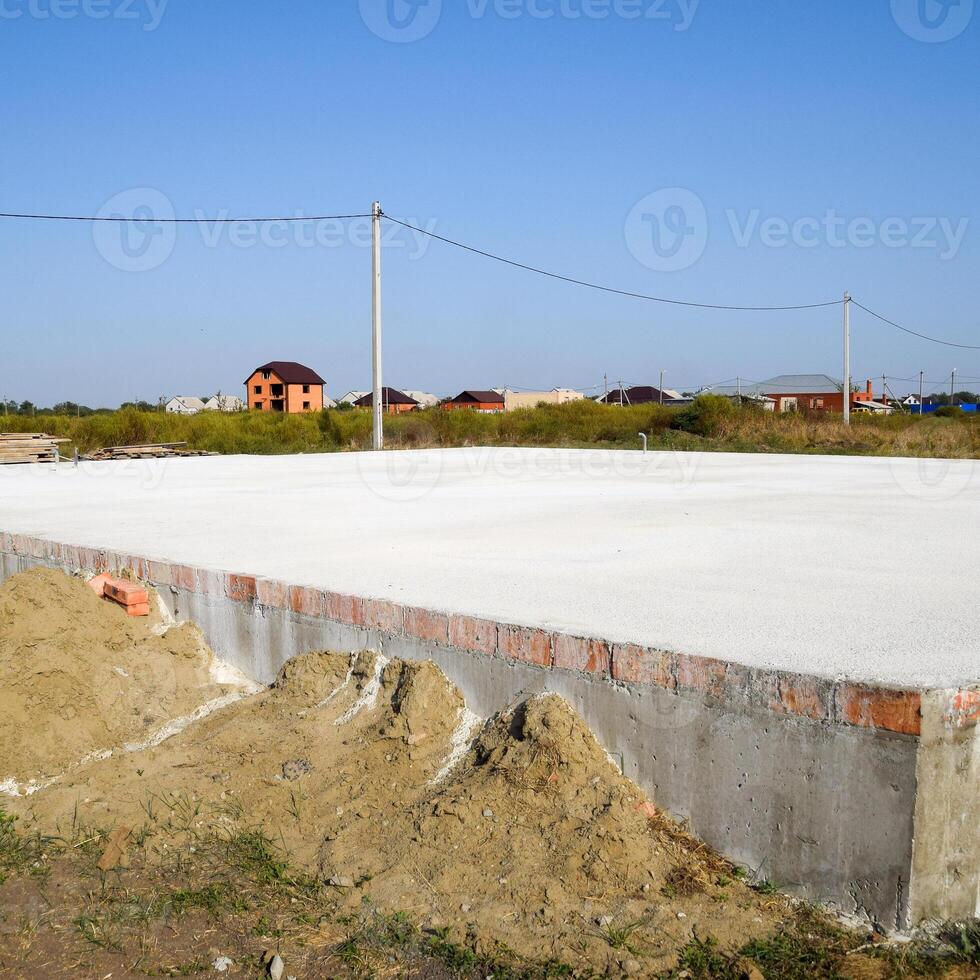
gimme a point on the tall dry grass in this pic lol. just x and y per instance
(708, 425)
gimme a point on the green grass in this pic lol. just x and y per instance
(710, 424)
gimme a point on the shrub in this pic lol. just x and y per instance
(705, 416)
(950, 412)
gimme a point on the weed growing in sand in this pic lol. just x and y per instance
(18, 854)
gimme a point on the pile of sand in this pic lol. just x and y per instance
(78, 676)
(521, 834)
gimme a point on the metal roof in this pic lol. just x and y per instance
(488, 397)
(290, 373)
(389, 396)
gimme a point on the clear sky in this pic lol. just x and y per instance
(743, 152)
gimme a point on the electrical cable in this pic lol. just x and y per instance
(608, 289)
(915, 333)
(178, 221)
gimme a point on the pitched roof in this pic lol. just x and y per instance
(793, 384)
(637, 395)
(487, 397)
(290, 372)
(389, 396)
(188, 401)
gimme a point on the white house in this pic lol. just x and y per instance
(424, 399)
(351, 397)
(224, 403)
(185, 405)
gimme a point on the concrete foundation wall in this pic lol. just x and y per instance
(860, 798)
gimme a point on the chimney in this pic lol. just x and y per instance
(871, 391)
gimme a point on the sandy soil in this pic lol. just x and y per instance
(518, 833)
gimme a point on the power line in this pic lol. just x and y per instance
(608, 289)
(178, 221)
(915, 333)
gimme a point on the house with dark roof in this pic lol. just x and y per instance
(393, 401)
(804, 393)
(477, 401)
(284, 386)
(639, 395)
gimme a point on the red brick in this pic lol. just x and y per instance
(272, 593)
(632, 664)
(532, 646)
(158, 572)
(383, 615)
(430, 626)
(343, 608)
(98, 584)
(702, 674)
(305, 600)
(964, 709)
(469, 633)
(183, 577)
(803, 696)
(139, 609)
(242, 588)
(579, 653)
(125, 593)
(869, 707)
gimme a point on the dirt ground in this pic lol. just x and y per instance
(515, 839)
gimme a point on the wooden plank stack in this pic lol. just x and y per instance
(161, 450)
(28, 447)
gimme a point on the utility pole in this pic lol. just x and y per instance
(921, 375)
(661, 387)
(884, 386)
(847, 358)
(738, 386)
(378, 440)
(952, 387)
(605, 386)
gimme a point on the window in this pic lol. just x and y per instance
(266, 375)
(258, 405)
(306, 389)
(306, 406)
(258, 389)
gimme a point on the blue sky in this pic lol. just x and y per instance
(560, 141)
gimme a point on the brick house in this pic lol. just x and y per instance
(803, 393)
(393, 401)
(284, 386)
(477, 401)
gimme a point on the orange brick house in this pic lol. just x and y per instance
(284, 386)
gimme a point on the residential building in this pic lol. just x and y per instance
(513, 400)
(185, 405)
(639, 395)
(488, 402)
(804, 393)
(224, 403)
(424, 398)
(285, 386)
(352, 397)
(393, 401)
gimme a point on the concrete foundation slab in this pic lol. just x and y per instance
(697, 612)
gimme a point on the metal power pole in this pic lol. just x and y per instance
(378, 430)
(952, 387)
(847, 358)
(661, 387)
(921, 375)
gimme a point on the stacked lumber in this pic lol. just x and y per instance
(28, 447)
(157, 450)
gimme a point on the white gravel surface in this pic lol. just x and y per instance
(843, 567)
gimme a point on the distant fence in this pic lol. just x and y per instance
(928, 409)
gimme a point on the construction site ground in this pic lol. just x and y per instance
(161, 815)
